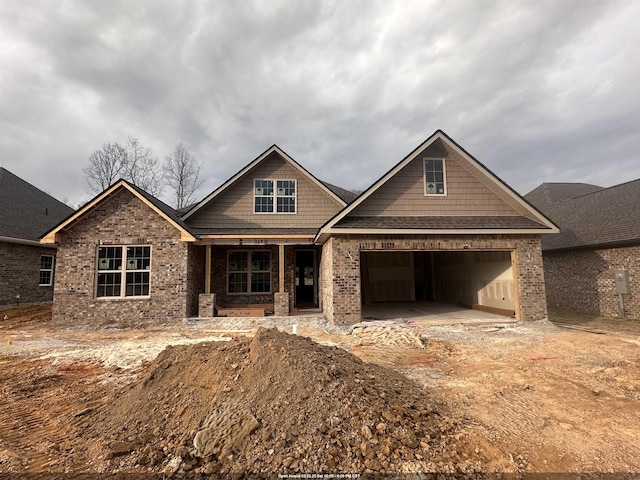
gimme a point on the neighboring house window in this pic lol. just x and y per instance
(46, 270)
(123, 271)
(283, 196)
(249, 272)
(434, 176)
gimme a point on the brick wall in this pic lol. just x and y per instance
(20, 274)
(122, 219)
(583, 280)
(340, 274)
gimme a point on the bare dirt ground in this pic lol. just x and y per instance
(515, 398)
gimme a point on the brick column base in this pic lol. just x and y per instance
(206, 305)
(281, 304)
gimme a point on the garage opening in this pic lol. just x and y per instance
(480, 280)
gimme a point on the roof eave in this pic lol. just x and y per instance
(324, 234)
(24, 241)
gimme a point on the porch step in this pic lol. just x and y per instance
(259, 310)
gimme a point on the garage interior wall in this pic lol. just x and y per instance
(462, 277)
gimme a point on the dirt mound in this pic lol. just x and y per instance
(283, 403)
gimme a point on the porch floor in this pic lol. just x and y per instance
(429, 313)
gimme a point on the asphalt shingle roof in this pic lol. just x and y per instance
(602, 216)
(440, 223)
(239, 232)
(347, 196)
(27, 212)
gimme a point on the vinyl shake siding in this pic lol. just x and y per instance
(468, 192)
(234, 208)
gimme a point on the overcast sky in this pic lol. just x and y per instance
(536, 90)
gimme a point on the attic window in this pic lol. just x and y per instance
(283, 196)
(434, 177)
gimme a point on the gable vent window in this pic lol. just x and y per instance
(434, 176)
(281, 199)
(123, 271)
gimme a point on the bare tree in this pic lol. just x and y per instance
(143, 169)
(181, 173)
(106, 166)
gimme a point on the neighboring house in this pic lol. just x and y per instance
(26, 266)
(438, 226)
(599, 238)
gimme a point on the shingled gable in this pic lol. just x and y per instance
(162, 209)
(516, 215)
(274, 148)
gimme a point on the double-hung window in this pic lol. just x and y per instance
(434, 176)
(249, 272)
(123, 271)
(46, 270)
(263, 196)
(281, 199)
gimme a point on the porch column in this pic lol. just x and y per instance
(281, 269)
(281, 298)
(207, 300)
(207, 271)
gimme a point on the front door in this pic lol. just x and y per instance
(306, 279)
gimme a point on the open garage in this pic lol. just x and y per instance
(482, 280)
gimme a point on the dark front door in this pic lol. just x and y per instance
(306, 279)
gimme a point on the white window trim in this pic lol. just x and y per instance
(53, 259)
(248, 273)
(123, 274)
(275, 196)
(444, 176)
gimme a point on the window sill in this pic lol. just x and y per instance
(123, 299)
(237, 294)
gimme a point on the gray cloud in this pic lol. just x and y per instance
(537, 91)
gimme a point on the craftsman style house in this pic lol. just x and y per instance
(26, 266)
(593, 265)
(273, 238)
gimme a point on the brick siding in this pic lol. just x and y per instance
(123, 219)
(20, 274)
(341, 275)
(583, 280)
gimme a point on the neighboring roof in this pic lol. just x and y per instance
(538, 224)
(549, 193)
(439, 223)
(161, 208)
(26, 212)
(346, 195)
(603, 217)
(254, 163)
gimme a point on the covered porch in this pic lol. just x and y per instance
(259, 275)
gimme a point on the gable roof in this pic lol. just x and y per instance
(534, 222)
(26, 212)
(161, 208)
(253, 164)
(602, 217)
